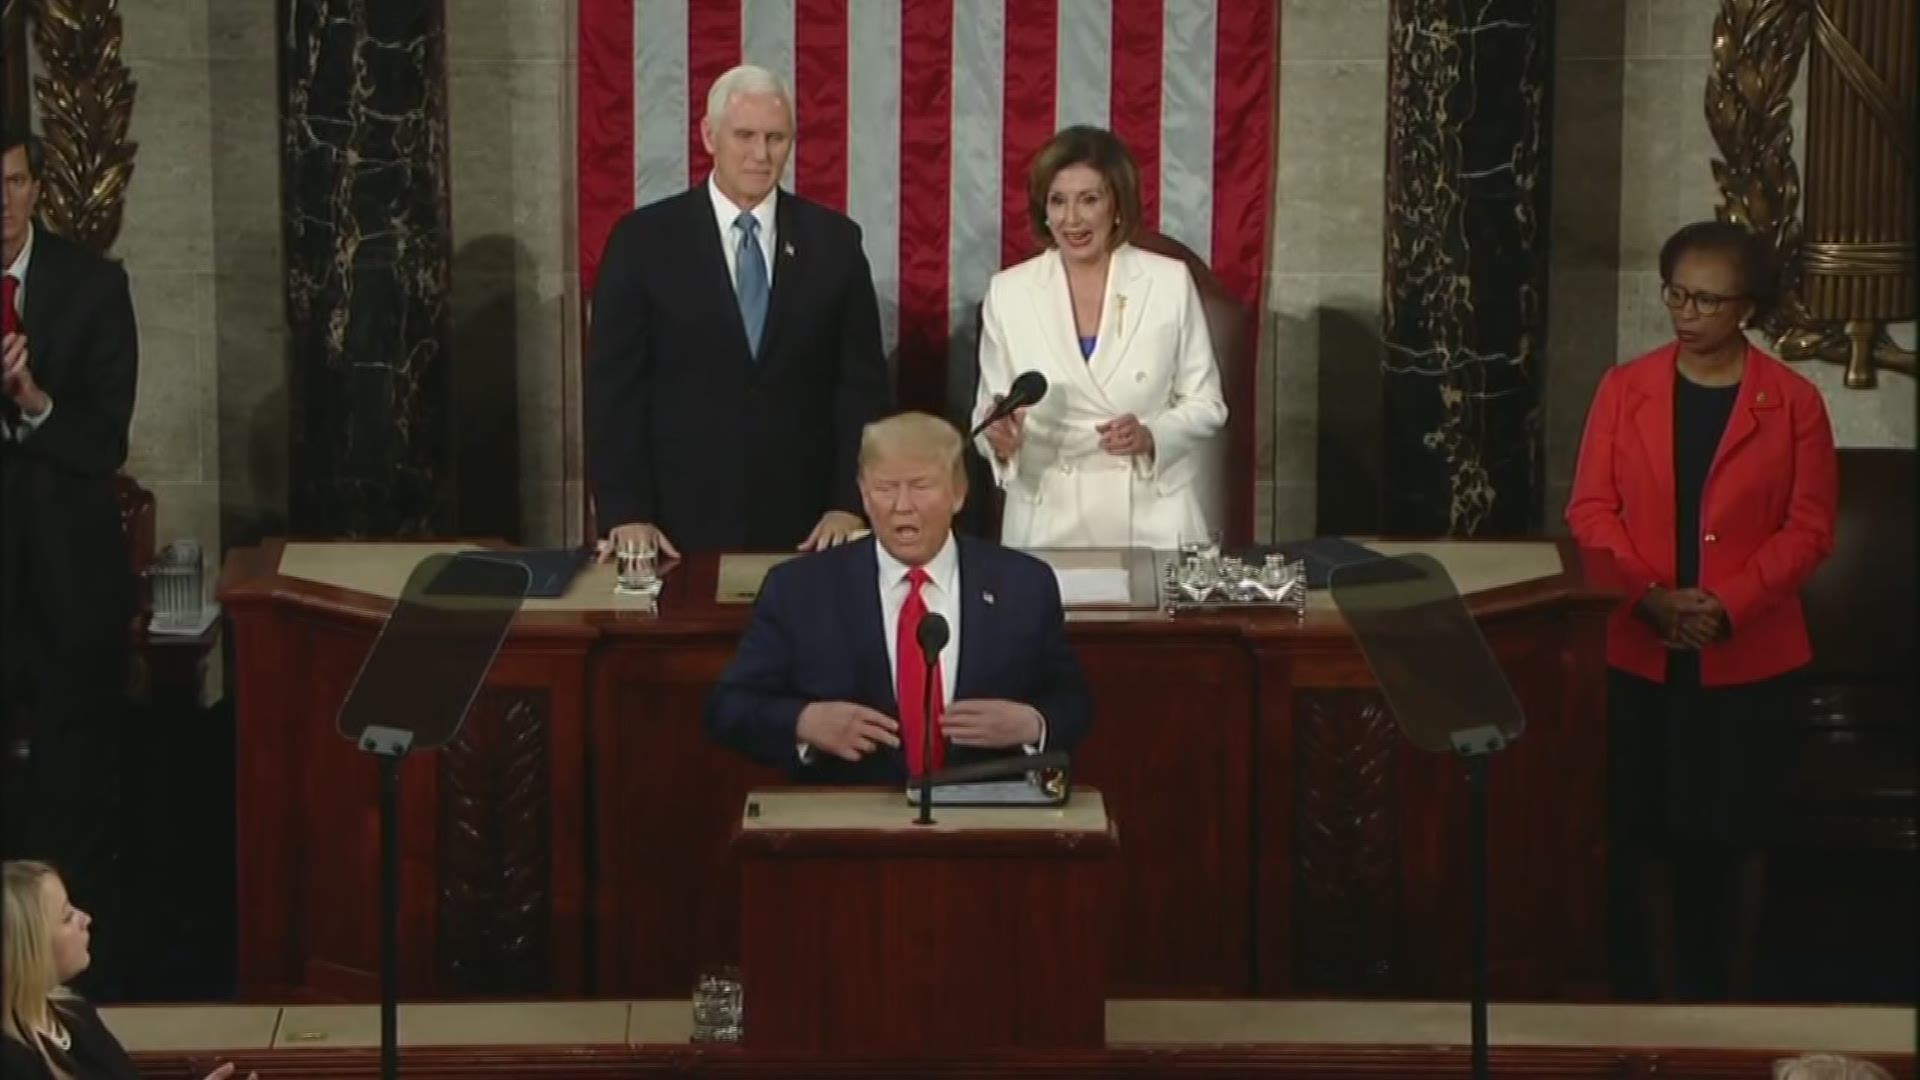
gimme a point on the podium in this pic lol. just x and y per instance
(862, 933)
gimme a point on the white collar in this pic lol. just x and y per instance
(727, 211)
(19, 268)
(941, 569)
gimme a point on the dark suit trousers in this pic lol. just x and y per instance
(66, 707)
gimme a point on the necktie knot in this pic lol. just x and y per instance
(747, 223)
(917, 576)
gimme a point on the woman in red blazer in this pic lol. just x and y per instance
(1708, 473)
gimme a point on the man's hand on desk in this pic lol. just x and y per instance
(638, 532)
(991, 723)
(836, 527)
(845, 730)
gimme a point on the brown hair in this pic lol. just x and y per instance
(1103, 152)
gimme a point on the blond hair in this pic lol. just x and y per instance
(32, 985)
(916, 436)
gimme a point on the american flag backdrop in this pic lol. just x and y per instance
(917, 118)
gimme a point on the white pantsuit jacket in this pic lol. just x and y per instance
(1152, 357)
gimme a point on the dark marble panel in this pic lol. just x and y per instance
(364, 149)
(1469, 114)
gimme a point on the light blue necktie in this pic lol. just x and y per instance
(750, 279)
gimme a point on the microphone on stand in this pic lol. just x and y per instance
(1026, 390)
(932, 635)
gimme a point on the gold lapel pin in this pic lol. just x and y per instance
(987, 596)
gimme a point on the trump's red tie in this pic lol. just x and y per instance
(910, 678)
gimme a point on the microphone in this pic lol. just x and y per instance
(1026, 390)
(932, 635)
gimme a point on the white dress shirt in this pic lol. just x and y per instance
(17, 270)
(725, 212)
(942, 596)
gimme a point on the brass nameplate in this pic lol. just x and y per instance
(741, 574)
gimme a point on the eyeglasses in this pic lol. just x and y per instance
(1705, 303)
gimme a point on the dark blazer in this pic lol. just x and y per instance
(684, 427)
(817, 635)
(95, 1054)
(64, 555)
(1766, 515)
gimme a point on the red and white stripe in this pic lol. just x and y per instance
(918, 118)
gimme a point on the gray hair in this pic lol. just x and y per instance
(745, 79)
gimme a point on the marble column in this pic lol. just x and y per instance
(1469, 118)
(364, 152)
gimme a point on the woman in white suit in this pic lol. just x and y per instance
(1115, 454)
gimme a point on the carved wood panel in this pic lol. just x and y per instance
(494, 865)
(1346, 843)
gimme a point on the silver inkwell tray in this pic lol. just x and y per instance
(1200, 577)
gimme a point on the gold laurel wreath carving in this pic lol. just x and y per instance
(1757, 50)
(85, 99)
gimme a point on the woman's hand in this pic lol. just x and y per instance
(1125, 436)
(1005, 435)
(1684, 618)
(1703, 619)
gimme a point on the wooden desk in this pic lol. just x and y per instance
(1387, 1040)
(865, 934)
(1281, 839)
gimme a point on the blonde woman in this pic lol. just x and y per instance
(50, 1033)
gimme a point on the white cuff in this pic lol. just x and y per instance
(1038, 746)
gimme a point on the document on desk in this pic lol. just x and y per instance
(1094, 584)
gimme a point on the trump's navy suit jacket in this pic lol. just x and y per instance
(817, 635)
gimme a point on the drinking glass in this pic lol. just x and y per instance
(637, 566)
(178, 579)
(719, 1005)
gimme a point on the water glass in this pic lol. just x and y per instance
(178, 575)
(719, 1005)
(637, 566)
(1205, 548)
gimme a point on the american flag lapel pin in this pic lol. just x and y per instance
(788, 248)
(987, 596)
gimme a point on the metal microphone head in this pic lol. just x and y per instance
(932, 634)
(1029, 388)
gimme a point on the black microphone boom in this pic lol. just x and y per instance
(932, 635)
(1026, 390)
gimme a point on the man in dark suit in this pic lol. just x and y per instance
(66, 595)
(829, 680)
(734, 353)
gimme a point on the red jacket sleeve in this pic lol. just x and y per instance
(1593, 510)
(1785, 560)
